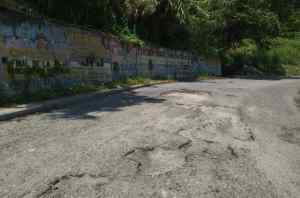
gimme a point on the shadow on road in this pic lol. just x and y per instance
(111, 103)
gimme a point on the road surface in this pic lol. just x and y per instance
(212, 139)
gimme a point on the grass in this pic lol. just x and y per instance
(48, 94)
(282, 58)
(128, 82)
(288, 49)
(289, 54)
(292, 70)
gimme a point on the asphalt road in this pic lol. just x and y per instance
(222, 139)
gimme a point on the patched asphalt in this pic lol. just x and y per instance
(219, 138)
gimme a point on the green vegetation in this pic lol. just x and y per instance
(134, 81)
(127, 36)
(289, 51)
(257, 35)
(249, 59)
(292, 70)
(128, 82)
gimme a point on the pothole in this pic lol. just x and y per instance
(154, 161)
(186, 91)
(187, 97)
(226, 171)
(217, 123)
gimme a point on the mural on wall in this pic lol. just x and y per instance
(90, 56)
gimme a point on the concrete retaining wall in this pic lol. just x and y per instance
(91, 56)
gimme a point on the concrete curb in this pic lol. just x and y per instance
(64, 102)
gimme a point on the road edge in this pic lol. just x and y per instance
(64, 102)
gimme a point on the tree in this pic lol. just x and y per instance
(136, 9)
(202, 26)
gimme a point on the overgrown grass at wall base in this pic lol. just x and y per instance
(128, 82)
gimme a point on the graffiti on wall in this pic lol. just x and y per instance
(90, 55)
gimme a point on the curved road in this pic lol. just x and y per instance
(224, 138)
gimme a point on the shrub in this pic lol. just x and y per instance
(244, 54)
(247, 54)
(128, 37)
(289, 50)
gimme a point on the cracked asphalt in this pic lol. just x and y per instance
(211, 139)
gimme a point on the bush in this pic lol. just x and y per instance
(269, 62)
(242, 55)
(127, 36)
(289, 50)
(292, 70)
(263, 61)
(237, 58)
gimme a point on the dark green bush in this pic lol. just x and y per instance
(244, 54)
(247, 54)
